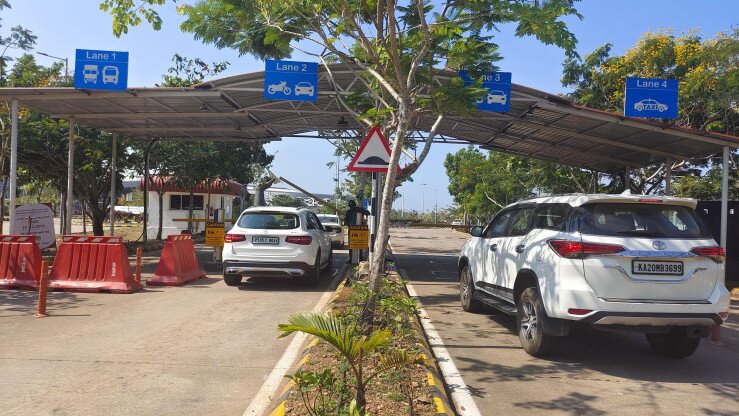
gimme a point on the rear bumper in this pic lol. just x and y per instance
(653, 319)
(264, 269)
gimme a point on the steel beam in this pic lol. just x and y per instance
(113, 177)
(13, 164)
(70, 180)
(725, 196)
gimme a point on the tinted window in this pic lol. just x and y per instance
(521, 221)
(269, 221)
(313, 223)
(552, 216)
(497, 227)
(183, 202)
(642, 220)
(333, 219)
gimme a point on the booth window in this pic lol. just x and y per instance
(182, 202)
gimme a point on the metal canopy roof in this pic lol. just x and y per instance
(539, 125)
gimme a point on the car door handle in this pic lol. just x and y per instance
(494, 247)
(520, 248)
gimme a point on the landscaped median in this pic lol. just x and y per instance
(346, 369)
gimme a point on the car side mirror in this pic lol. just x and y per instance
(476, 231)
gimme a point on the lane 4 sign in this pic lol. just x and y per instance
(290, 80)
(651, 98)
(498, 85)
(101, 70)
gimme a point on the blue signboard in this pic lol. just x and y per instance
(101, 70)
(499, 91)
(290, 80)
(651, 97)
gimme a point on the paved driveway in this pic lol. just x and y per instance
(593, 373)
(200, 349)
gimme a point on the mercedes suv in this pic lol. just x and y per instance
(630, 262)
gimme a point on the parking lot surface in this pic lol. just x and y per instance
(591, 373)
(200, 349)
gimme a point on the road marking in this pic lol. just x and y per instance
(458, 390)
(264, 397)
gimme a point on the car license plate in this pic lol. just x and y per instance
(673, 268)
(265, 240)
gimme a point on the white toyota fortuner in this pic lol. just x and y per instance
(630, 262)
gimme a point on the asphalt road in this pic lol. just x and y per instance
(592, 373)
(201, 349)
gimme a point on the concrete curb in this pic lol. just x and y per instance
(280, 406)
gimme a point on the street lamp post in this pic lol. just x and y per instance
(66, 63)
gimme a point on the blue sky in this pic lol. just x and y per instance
(63, 26)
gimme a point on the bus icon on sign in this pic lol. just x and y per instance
(110, 75)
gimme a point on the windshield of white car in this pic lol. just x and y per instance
(332, 219)
(642, 220)
(269, 221)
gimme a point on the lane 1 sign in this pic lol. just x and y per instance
(290, 80)
(651, 98)
(101, 70)
(499, 91)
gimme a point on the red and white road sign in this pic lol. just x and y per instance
(373, 154)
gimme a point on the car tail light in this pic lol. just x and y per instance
(573, 311)
(303, 240)
(650, 200)
(715, 253)
(723, 315)
(577, 250)
(235, 238)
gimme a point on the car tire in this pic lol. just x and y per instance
(329, 261)
(232, 279)
(673, 344)
(312, 276)
(467, 292)
(530, 314)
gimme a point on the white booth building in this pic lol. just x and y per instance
(176, 203)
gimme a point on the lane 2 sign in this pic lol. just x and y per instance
(651, 98)
(290, 80)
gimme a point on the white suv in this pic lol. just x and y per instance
(276, 242)
(640, 263)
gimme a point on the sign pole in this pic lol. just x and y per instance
(113, 155)
(13, 163)
(70, 180)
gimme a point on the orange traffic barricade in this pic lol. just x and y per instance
(20, 262)
(92, 264)
(177, 264)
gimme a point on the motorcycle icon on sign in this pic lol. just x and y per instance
(281, 87)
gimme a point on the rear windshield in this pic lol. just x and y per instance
(269, 221)
(642, 220)
(329, 218)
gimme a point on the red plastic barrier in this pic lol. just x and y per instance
(177, 264)
(92, 264)
(20, 262)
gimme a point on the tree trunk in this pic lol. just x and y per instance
(97, 217)
(378, 264)
(161, 214)
(190, 209)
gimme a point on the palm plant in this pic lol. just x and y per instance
(353, 346)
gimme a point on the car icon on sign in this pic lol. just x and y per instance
(497, 97)
(304, 88)
(110, 75)
(649, 104)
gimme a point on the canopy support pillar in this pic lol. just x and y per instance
(724, 196)
(70, 181)
(113, 177)
(147, 152)
(627, 178)
(668, 177)
(13, 164)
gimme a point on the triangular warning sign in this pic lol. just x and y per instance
(373, 154)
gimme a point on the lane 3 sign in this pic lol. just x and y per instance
(651, 98)
(498, 85)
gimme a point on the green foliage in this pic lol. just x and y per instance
(315, 390)
(19, 38)
(483, 184)
(286, 201)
